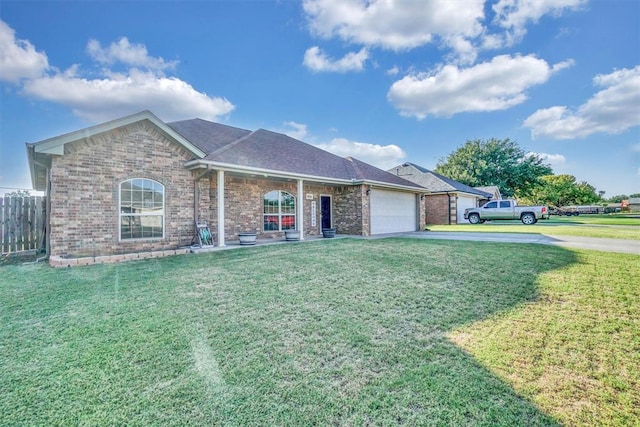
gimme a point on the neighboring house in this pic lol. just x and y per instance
(492, 190)
(634, 204)
(140, 184)
(447, 199)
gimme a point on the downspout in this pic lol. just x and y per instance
(448, 208)
(47, 207)
(47, 213)
(47, 222)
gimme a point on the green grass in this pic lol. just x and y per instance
(576, 350)
(602, 219)
(600, 226)
(338, 332)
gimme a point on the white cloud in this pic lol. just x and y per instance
(514, 15)
(135, 55)
(141, 86)
(635, 147)
(396, 25)
(551, 159)
(381, 156)
(295, 130)
(406, 24)
(393, 71)
(19, 58)
(316, 60)
(612, 110)
(119, 94)
(489, 86)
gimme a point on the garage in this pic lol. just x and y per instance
(464, 202)
(392, 211)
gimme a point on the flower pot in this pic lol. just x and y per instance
(247, 238)
(292, 235)
(328, 232)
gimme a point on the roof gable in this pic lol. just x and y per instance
(56, 145)
(492, 190)
(39, 153)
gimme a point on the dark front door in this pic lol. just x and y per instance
(325, 211)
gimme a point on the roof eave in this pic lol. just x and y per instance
(38, 170)
(412, 189)
(228, 167)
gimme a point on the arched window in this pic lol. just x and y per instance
(141, 209)
(279, 209)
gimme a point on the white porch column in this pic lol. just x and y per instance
(220, 208)
(300, 209)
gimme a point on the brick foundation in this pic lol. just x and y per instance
(61, 262)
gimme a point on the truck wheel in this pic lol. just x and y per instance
(474, 218)
(528, 219)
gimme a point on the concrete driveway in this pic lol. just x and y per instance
(607, 245)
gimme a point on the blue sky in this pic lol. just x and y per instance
(383, 81)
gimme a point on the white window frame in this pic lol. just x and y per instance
(280, 214)
(159, 213)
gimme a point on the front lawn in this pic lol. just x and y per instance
(334, 332)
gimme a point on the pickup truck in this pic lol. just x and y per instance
(506, 209)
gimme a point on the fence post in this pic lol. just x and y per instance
(4, 224)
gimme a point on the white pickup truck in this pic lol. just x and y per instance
(506, 209)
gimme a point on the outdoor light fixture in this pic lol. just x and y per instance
(368, 191)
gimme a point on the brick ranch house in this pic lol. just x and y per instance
(139, 184)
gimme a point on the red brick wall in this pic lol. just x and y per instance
(244, 210)
(437, 209)
(85, 184)
(351, 211)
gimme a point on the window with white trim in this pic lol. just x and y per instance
(279, 211)
(141, 209)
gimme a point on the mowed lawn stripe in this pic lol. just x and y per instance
(346, 332)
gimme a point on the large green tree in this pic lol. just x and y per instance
(562, 190)
(498, 162)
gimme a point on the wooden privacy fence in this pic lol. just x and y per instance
(22, 223)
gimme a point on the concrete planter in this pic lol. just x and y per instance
(292, 235)
(328, 232)
(247, 238)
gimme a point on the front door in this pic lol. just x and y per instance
(325, 212)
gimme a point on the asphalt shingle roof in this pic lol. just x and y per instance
(438, 183)
(207, 136)
(263, 149)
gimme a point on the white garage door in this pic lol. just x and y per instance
(392, 212)
(464, 203)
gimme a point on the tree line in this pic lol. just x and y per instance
(518, 174)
